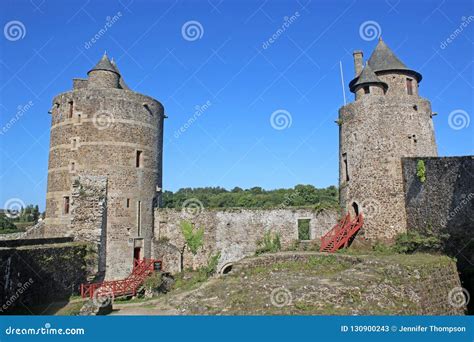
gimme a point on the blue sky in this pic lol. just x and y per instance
(232, 143)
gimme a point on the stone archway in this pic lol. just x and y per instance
(227, 268)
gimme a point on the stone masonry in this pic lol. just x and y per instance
(387, 121)
(103, 129)
(232, 232)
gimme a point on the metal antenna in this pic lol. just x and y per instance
(342, 82)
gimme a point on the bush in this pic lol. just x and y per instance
(411, 242)
(212, 263)
(421, 171)
(269, 244)
(153, 282)
(6, 225)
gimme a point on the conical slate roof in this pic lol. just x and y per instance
(384, 59)
(367, 76)
(122, 83)
(105, 64)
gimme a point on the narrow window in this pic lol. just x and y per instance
(138, 159)
(71, 107)
(303, 229)
(128, 203)
(346, 168)
(409, 86)
(366, 90)
(66, 205)
(139, 217)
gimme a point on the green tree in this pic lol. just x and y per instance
(193, 239)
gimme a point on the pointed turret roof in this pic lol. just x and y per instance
(384, 59)
(105, 64)
(367, 76)
(122, 83)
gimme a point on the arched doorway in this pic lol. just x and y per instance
(354, 210)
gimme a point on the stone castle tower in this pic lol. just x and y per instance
(387, 121)
(105, 167)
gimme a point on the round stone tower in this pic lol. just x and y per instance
(105, 167)
(387, 121)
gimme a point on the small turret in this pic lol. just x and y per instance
(367, 83)
(104, 75)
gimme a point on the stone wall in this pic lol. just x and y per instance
(100, 129)
(232, 232)
(444, 203)
(38, 274)
(375, 133)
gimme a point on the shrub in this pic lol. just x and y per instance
(153, 282)
(411, 242)
(212, 263)
(421, 170)
(193, 236)
(269, 244)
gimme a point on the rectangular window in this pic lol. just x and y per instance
(345, 167)
(139, 218)
(366, 90)
(303, 229)
(71, 109)
(409, 86)
(128, 203)
(138, 159)
(66, 205)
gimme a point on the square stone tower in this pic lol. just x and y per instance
(105, 167)
(387, 121)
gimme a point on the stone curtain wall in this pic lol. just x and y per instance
(38, 274)
(232, 232)
(89, 213)
(445, 201)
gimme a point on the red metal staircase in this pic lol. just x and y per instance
(141, 270)
(339, 236)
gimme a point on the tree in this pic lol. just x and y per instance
(193, 239)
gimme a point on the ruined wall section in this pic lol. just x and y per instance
(234, 233)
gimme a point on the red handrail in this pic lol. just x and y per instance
(128, 286)
(341, 233)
